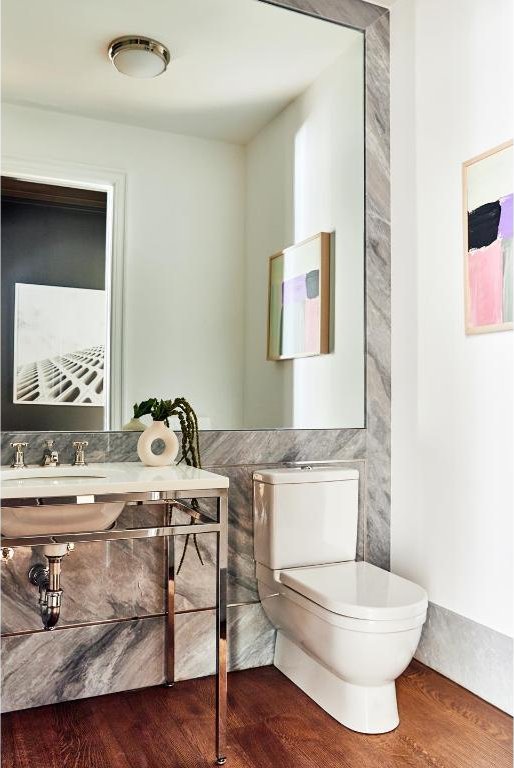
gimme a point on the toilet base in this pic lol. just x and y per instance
(366, 709)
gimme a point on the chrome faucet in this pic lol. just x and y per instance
(50, 456)
(80, 456)
(18, 461)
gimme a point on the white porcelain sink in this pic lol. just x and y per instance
(18, 477)
(18, 520)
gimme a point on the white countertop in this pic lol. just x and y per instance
(98, 479)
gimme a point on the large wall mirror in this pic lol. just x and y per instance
(199, 233)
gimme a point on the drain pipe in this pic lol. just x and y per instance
(48, 581)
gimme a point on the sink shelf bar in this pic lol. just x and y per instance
(201, 524)
(146, 497)
(112, 534)
(101, 622)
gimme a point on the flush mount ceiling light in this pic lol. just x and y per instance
(138, 56)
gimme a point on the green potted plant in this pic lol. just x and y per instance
(161, 411)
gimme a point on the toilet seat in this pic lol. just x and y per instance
(355, 591)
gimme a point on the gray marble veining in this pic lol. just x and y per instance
(378, 293)
(100, 581)
(48, 667)
(475, 656)
(353, 13)
(217, 447)
(74, 663)
(251, 641)
(277, 446)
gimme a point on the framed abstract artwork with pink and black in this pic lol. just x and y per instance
(298, 300)
(488, 223)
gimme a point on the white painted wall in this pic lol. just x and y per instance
(305, 175)
(184, 218)
(452, 494)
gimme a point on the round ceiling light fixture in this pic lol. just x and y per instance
(138, 56)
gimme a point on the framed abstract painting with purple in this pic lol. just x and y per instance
(488, 222)
(298, 304)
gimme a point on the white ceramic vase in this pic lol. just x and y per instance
(157, 431)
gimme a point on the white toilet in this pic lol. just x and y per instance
(346, 629)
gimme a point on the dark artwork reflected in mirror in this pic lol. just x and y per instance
(53, 307)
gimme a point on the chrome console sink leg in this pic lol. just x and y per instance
(221, 629)
(169, 588)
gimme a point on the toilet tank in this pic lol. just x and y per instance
(305, 516)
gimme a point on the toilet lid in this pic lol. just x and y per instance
(357, 590)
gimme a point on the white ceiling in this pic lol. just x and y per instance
(235, 63)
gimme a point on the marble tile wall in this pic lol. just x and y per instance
(98, 579)
(474, 656)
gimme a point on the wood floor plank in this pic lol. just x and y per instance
(336, 747)
(445, 693)
(80, 738)
(154, 740)
(448, 738)
(200, 733)
(271, 724)
(265, 749)
(30, 735)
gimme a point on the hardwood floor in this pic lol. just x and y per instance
(272, 724)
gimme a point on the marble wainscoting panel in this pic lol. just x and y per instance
(195, 584)
(101, 580)
(242, 586)
(96, 451)
(242, 447)
(378, 293)
(49, 667)
(195, 565)
(474, 656)
(251, 641)
(259, 447)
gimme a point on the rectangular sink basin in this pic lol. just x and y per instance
(16, 477)
(46, 519)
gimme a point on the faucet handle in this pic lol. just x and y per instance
(18, 461)
(50, 455)
(80, 458)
